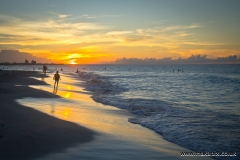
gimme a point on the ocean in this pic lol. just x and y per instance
(194, 106)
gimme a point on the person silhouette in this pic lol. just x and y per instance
(77, 70)
(44, 69)
(56, 78)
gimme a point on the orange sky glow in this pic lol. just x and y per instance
(73, 34)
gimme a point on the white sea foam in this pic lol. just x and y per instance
(190, 125)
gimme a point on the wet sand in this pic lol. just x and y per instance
(26, 133)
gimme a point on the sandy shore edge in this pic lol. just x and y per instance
(26, 133)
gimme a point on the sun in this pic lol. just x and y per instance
(73, 58)
(73, 61)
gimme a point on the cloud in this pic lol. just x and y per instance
(227, 59)
(51, 31)
(117, 33)
(173, 28)
(194, 59)
(204, 43)
(125, 36)
(19, 57)
(99, 16)
(68, 33)
(63, 31)
(8, 20)
(169, 37)
(63, 16)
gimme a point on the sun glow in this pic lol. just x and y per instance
(73, 61)
(73, 58)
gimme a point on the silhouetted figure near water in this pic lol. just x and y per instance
(56, 78)
(44, 69)
(61, 69)
(77, 70)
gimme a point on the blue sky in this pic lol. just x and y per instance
(110, 29)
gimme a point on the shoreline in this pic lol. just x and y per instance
(110, 122)
(114, 136)
(26, 133)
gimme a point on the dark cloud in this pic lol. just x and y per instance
(229, 58)
(19, 57)
(194, 59)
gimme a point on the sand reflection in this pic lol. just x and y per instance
(68, 95)
(66, 113)
(55, 89)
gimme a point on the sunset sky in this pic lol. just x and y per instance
(87, 31)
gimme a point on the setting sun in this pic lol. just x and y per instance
(73, 57)
(73, 61)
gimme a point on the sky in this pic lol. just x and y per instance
(99, 31)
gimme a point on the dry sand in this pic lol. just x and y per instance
(26, 133)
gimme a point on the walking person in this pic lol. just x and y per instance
(56, 78)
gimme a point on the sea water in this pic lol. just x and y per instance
(195, 106)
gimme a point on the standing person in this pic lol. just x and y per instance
(44, 69)
(56, 78)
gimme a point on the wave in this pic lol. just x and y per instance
(201, 130)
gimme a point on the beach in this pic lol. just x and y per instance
(37, 124)
(117, 80)
(26, 133)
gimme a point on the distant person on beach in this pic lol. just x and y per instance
(77, 70)
(44, 69)
(61, 69)
(56, 78)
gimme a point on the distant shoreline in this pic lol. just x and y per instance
(30, 64)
